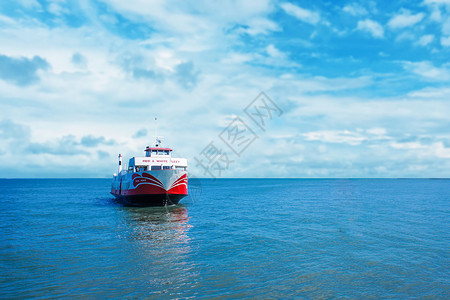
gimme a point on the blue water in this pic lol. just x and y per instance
(235, 238)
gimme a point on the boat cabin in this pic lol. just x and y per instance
(156, 158)
(156, 151)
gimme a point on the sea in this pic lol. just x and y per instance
(230, 239)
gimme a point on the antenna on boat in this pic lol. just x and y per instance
(158, 139)
(156, 128)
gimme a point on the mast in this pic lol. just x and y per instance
(158, 139)
(156, 129)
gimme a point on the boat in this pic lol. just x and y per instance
(157, 179)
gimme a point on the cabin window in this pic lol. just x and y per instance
(167, 167)
(163, 152)
(156, 168)
(154, 152)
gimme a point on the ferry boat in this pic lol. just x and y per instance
(157, 179)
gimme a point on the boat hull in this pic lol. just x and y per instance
(150, 188)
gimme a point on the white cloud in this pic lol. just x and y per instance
(7, 21)
(30, 4)
(274, 52)
(436, 6)
(407, 145)
(445, 41)
(257, 26)
(163, 15)
(431, 93)
(441, 151)
(445, 38)
(428, 70)
(116, 78)
(405, 19)
(355, 9)
(372, 27)
(335, 136)
(425, 40)
(352, 138)
(446, 27)
(377, 131)
(438, 2)
(235, 58)
(436, 149)
(201, 18)
(300, 13)
(306, 84)
(370, 113)
(405, 36)
(436, 14)
(57, 9)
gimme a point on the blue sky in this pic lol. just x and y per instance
(364, 86)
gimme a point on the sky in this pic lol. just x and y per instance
(350, 88)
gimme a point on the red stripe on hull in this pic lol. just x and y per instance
(179, 189)
(179, 186)
(150, 191)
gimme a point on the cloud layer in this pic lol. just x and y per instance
(363, 88)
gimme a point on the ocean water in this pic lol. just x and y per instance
(234, 238)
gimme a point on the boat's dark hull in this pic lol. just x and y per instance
(149, 199)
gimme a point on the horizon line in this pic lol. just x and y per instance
(211, 178)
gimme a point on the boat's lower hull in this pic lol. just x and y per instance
(150, 188)
(149, 199)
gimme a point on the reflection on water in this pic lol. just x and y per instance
(159, 247)
(159, 226)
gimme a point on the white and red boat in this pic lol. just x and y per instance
(157, 179)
